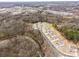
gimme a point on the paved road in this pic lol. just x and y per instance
(53, 48)
(56, 51)
(59, 12)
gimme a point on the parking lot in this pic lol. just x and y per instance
(57, 40)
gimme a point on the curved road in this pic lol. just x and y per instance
(56, 51)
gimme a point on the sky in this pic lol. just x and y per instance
(33, 0)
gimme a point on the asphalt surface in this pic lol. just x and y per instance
(57, 53)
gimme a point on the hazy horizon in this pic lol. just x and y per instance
(33, 0)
